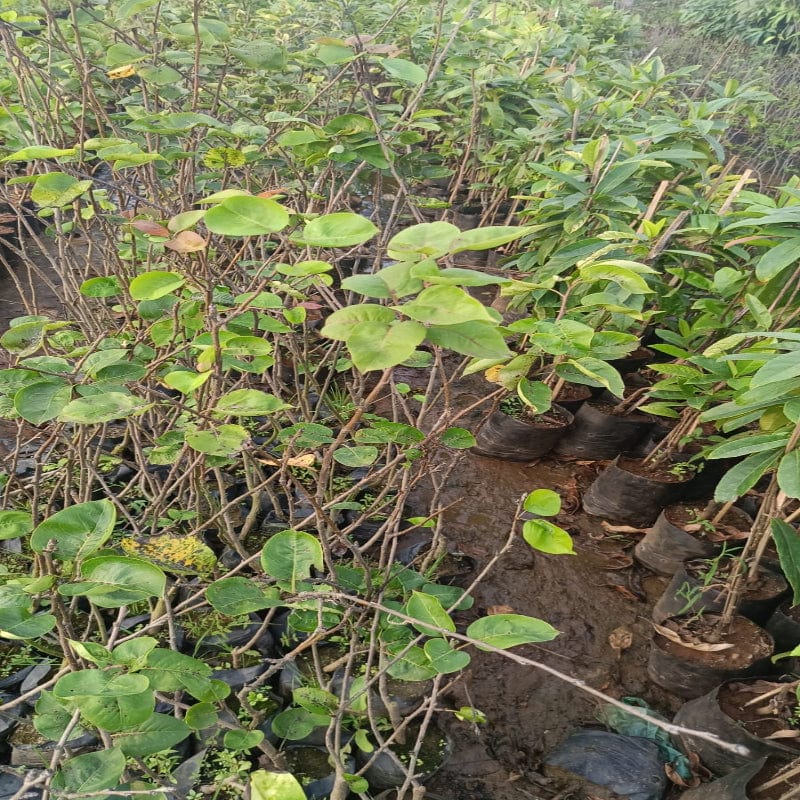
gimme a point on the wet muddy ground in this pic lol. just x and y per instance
(587, 597)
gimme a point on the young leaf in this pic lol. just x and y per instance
(427, 609)
(444, 659)
(236, 596)
(155, 284)
(275, 786)
(508, 630)
(543, 535)
(535, 394)
(343, 229)
(244, 215)
(743, 476)
(458, 438)
(290, 555)
(544, 502)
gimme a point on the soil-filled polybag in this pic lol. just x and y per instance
(732, 787)
(597, 434)
(504, 436)
(629, 766)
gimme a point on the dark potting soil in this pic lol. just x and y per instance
(554, 418)
(573, 391)
(763, 718)
(765, 583)
(659, 473)
(755, 787)
(750, 643)
(686, 514)
(611, 408)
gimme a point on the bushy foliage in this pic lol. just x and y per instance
(775, 22)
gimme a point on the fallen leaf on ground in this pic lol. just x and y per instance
(705, 647)
(620, 639)
(491, 610)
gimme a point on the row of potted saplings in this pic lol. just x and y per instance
(719, 622)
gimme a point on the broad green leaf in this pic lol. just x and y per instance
(100, 408)
(537, 395)
(544, 502)
(477, 338)
(445, 305)
(275, 786)
(15, 524)
(246, 216)
(508, 630)
(39, 151)
(201, 716)
(42, 401)
(116, 581)
(185, 381)
(592, 372)
(546, 537)
(155, 284)
(290, 556)
(457, 438)
(444, 659)
(297, 723)
(787, 541)
(236, 596)
(779, 368)
(157, 733)
(168, 671)
(426, 240)
(91, 772)
(20, 623)
(410, 664)
(57, 189)
(789, 474)
(341, 323)
(425, 608)
(742, 477)
(249, 403)
(378, 346)
(404, 70)
(221, 440)
(487, 238)
(342, 229)
(778, 258)
(241, 740)
(355, 456)
(368, 285)
(77, 531)
(25, 338)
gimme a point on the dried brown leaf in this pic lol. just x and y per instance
(150, 228)
(186, 242)
(704, 647)
(620, 639)
(491, 610)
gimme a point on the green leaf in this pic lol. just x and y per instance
(592, 372)
(275, 786)
(158, 732)
(425, 608)
(246, 216)
(544, 502)
(100, 408)
(15, 524)
(342, 229)
(39, 151)
(445, 305)
(760, 313)
(749, 444)
(185, 381)
(155, 284)
(77, 530)
(368, 285)
(116, 581)
(537, 395)
(789, 474)
(458, 438)
(444, 659)
(355, 456)
(777, 259)
(91, 772)
(787, 540)
(42, 401)
(410, 664)
(341, 323)
(249, 403)
(113, 702)
(428, 239)
(404, 70)
(508, 630)
(297, 723)
(779, 368)
(487, 238)
(241, 740)
(201, 716)
(236, 596)
(25, 338)
(546, 537)
(290, 556)
(378, 346)
(742, 477)
(19, 623)
(221, 440)
(477, 338)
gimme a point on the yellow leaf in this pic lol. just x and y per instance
(306, 461)
(493, 374)
(121, 72)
